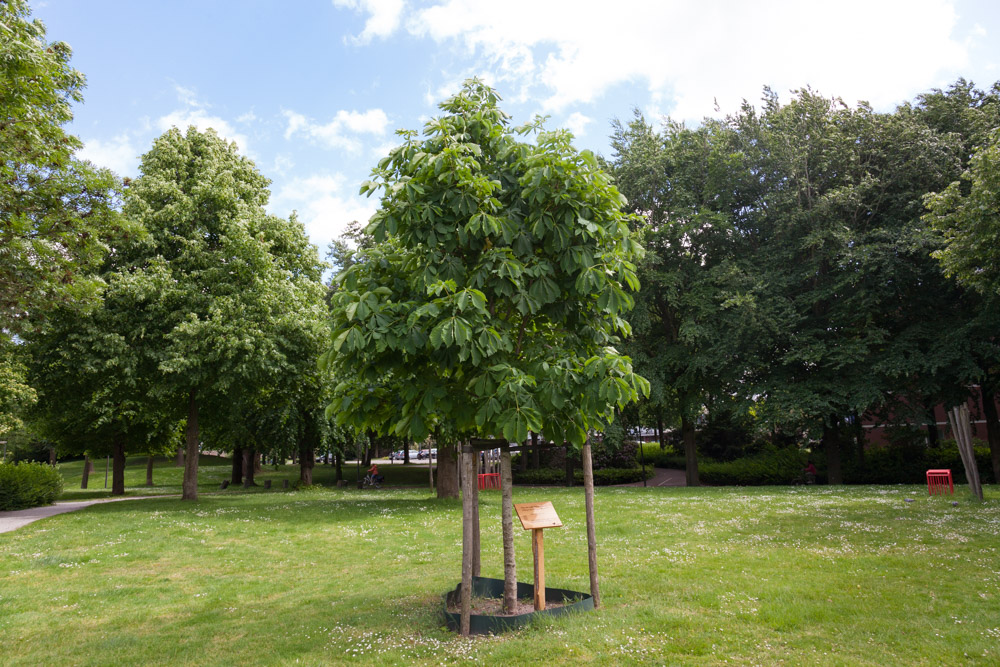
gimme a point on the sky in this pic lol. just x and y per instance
(314, 90)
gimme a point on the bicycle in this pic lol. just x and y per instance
(371, 482)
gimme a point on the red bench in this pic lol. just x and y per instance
(938, 481)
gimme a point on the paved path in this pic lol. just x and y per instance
(664, 477)
(13, 520)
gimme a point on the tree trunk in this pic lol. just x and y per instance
(306, 462)
(933, 437)
(690, 452)
(536, 453)
(468, 483)
(88, 467)
(507, 526)
(659, 433)
(52, 456)
(190, 486)
(179, 459)
(256, 461)
(248, 471)
(992, 431)
(149, 470)
(831, 445)
(523, 457)
(237, 476)
(430, 466)
(447, 472)
(569, 468)
(406, 453)
(339, 475)
(477, 552)
(588, 498)
(118, 465)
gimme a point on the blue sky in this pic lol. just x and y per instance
(313, 90)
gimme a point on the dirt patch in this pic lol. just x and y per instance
(494, 607)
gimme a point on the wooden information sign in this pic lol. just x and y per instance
(535, 517)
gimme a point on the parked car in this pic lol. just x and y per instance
(423, 453)
(396, 456)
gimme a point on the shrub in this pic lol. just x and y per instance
(605, 477)
(908, 463)
(772, 466)
(24, 485)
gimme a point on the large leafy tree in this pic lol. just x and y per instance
(833, 231)
(236, 287)
(970, 221)
(493, 295)
(491, 300)
(56, 212)
(695, 317)
(95, 373)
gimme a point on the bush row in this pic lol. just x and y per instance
(24, 485)
(883, 465)
(909, 464)
(781, 466)
(605, 477)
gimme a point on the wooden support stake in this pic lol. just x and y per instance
(477, 558)
(468, 483)
(507, 525)
(538, 549)
(588, 496)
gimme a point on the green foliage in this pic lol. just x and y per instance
(493, 294)
(24, 485)
(773, 466)
(603, 477)
(908, 463)
(969, 219)
(56, 212)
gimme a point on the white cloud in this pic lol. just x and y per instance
(118, 154)
(577, 123)
(325, 205)
(383, 17)
(195, 113)
(337, 133)
(572, 52)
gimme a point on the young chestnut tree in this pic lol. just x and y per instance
(492, 298)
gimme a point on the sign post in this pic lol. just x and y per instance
(536, 517)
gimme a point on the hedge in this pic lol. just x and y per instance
(776, 467)
(24, 485)
(605, 477)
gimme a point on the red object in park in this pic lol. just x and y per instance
(938, 481)
(489, 480)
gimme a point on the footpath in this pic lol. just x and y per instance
(13, 520)
(663, 477)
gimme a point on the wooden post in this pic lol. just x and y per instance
(507, 524)
(588, 496)
(959, 418)
(477, 560)
(467, 485)
(538, 550)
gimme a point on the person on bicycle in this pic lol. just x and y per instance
(373, 471)
(809, 473)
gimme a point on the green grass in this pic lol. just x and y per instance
(212, 470)
(796, 576)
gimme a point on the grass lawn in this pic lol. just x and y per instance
(794, 575)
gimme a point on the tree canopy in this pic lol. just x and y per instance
(492, 297)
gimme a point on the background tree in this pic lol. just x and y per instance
(238, 282)
(56, 212)
(694, 318)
